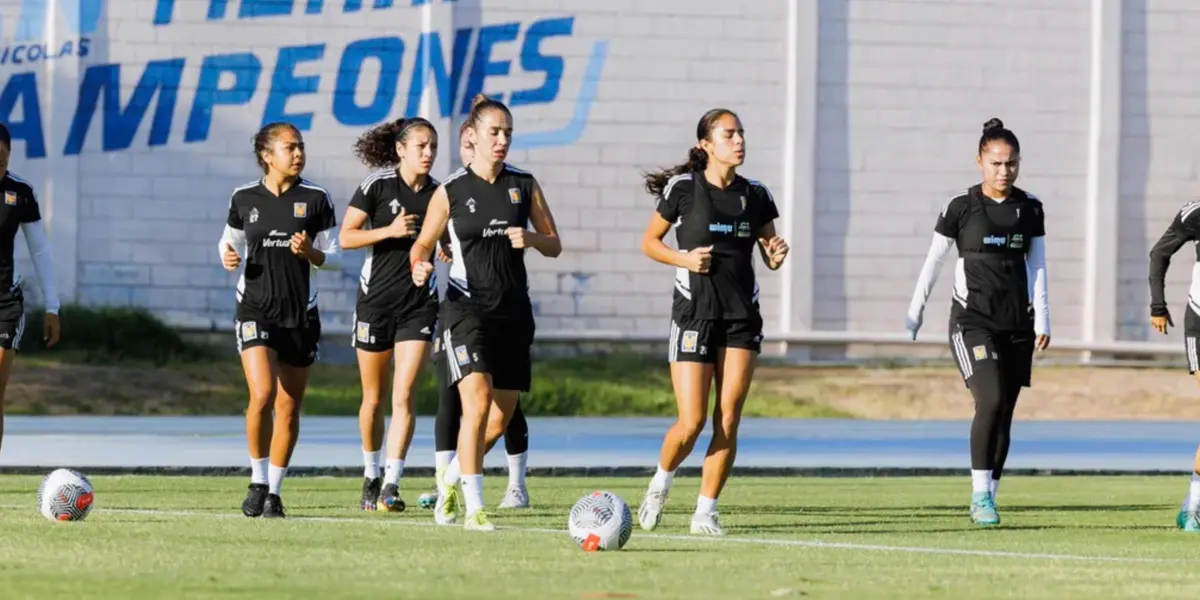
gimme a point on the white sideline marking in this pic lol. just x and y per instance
(681, 538)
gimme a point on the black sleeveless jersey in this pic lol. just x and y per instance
(729, 220)
(275, 284)
(20, 206)
(385, 284)
(991, 279)
(488, 275)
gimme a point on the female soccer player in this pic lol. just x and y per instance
(20, 211)
(999, 231)
(1185, 227)
(487, 316)
(716, 324)
(392, 316)
(280, 227)
(449, 414)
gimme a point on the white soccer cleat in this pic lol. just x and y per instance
(650, 512)
(479, 521)
(515, 497)
(707, 524)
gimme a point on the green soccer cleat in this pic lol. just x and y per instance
(983, 509)
(1192, 523)
(1180, 519)
(479, 521)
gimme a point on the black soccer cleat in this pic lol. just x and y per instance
(252, 506)
(370, 493)
(273, 509)
(390, 500)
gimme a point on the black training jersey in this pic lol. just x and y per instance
(487, 273)
(729, 220)
(991, 283)
(386, 280)
(1184, 228)
(20, 206)
(275, 284)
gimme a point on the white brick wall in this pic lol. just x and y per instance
(903, 89)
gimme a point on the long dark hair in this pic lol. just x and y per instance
(994, 130)
(266, 136)
(376, 147)
(697, 158)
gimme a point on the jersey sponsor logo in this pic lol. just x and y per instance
(492, 232)
(10, 198)
(995, 240)
(276, 243)
(980, 352)
(347, 75)
(249, 331)
(498, 222)
(514, 195)
(299, 210)
(720, 228)
(688, 343)
(254, 215)
(1017, 241)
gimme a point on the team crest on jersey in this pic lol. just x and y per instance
(299, 210)
(1016, 242)
(514, 195)
(460, 354)
(10, 198)
(249, 331)
(980, 352)
(743, 229)
(254, 215)
(689, 341)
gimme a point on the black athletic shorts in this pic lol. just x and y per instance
(498, 346)
(1004, 354)
(12, 319)
(379, 332)
(698, 341)
(1191, 339)
(295, 346)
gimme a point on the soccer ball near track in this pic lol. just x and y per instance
(65, 495)
(600, 521)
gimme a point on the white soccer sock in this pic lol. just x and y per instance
(473, 492)
(258, 470)
(516, 470)
(981, 480)
(371, 464)
(275, 478)
(662, 479)
(995, 488)
(443, 458)
(1194, 494)
(452, 473)
(705, 506)
(393, 471)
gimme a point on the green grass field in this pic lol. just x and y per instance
(1062, 537)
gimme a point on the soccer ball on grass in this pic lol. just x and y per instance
(65, 495)
(600, 521)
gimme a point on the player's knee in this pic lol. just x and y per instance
(690, 426)
(725, 425)
(261, 399)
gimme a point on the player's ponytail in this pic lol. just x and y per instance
(481, 104)
(994, 130)
(376, 147)
(697, 158)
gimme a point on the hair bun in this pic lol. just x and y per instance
(479, 99)
(993, 124)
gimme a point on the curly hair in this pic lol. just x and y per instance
(376, 147)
